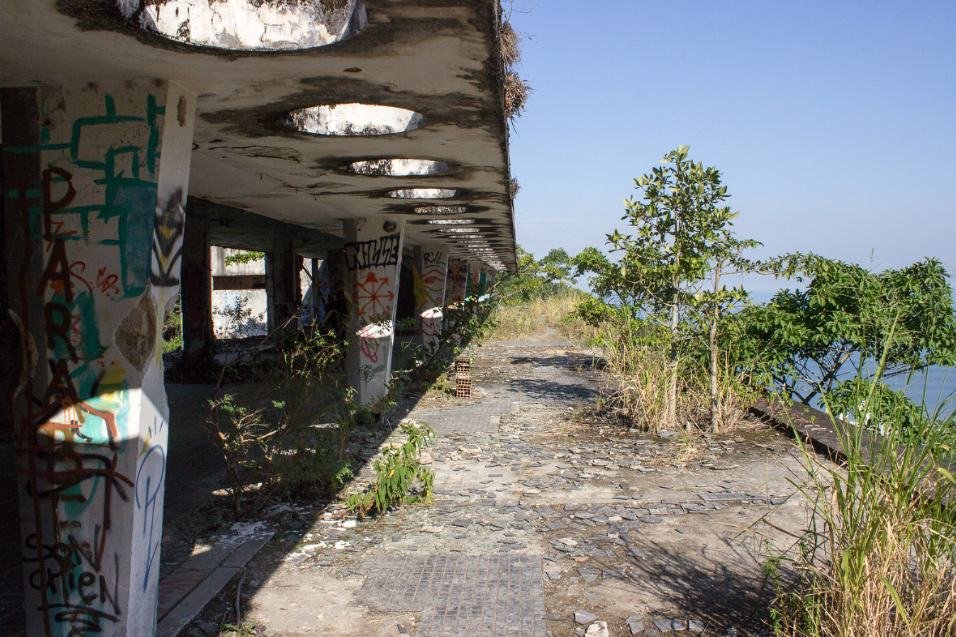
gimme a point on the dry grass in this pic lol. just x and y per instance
(517, 91)
(539, 315)
(510, 45)
(878, 556)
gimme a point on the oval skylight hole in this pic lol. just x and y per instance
(423, 193)
(250, 25)
(399, 167)
(440, 210)
(353, 120)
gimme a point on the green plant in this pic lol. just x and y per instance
(173, 330)
(682, 235)
(878, 554)
(400, 478)
(241, 257)
(809, 339)
(552, 275)
(239, 433)
(296, 441)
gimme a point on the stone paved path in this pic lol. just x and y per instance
(544, 514)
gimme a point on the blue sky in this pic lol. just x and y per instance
(833, 123)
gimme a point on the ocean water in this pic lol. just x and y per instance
(933, 388)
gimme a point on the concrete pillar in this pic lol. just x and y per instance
(373, 261)
(474, 278)
(196, 294)
(96, 204)
(282, 282)
(457, 282)
(483, 279)
(332, 285)
(431, 270)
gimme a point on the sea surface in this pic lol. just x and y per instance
(934, 388)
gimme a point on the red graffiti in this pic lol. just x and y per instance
(374, 297)
(106, 283)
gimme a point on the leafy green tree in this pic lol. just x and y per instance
(681, 236)
(845, 318)
(552, 274)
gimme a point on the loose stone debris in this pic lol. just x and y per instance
(548, 519)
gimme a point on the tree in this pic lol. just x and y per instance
(533, 278)
(682, 234)
(847, 317)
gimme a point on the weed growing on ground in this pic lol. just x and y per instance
(400, 477)
(878, 556)
(298, 442)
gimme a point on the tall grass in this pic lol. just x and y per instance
(877, 557)
(637, 361)
(538, 315)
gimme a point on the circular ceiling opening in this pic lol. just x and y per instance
(423, 193)
(250, 25)
(353, 120)
(440, 210)
(462, 231)
(399, 167)
(450, 222)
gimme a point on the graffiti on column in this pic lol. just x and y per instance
(429, 288)
(474, 280)
(90, 216)
(167, 241)
(372, 264)
(457, 281)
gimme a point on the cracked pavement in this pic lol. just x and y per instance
(548, 519)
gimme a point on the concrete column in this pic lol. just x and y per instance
(96, 205)
(483, 279)
(373, 261)
(474, 278)
(196, 294)
(332, 285)
(431, 270)
(282, 282)
(457, 282)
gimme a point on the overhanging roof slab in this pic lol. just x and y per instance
(439, 58)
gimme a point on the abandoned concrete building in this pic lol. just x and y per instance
(346, 140)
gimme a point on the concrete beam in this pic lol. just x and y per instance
(98, 200)
(231, 227)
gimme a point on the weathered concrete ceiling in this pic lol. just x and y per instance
(436, 59)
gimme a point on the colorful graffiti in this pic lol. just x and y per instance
(457, 282)
(373, 271)
(429, 284)
(92, 208)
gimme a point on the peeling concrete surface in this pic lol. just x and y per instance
(437, 58)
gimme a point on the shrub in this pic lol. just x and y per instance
(286, 446)
(400, 477)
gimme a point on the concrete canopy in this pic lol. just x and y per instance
(436, 58)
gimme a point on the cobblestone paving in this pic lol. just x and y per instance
(547, 520)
